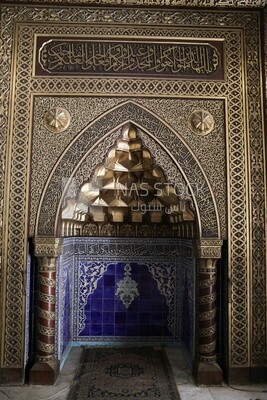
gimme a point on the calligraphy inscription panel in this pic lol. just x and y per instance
(57, 56)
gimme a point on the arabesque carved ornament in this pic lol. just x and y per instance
(47, 246)
(208, 248)
(249, 308)
(171, 3)
(80, 150)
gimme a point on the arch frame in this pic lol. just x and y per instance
(98, 131)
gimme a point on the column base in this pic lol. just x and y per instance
(209, 374)
(44, 373)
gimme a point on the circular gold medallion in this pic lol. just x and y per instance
(201, 122)
(57, 119)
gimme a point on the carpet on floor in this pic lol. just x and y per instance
(124, 373)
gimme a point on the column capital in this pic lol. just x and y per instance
(47, 246)
(208, 248)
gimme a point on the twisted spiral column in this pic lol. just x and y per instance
(207, 311)
(207, 371)
(46, 368)
(46, 309)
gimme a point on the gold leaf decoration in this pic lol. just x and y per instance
(57, 119)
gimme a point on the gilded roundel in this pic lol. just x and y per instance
(201, 122)
(57, 119)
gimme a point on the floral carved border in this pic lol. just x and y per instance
(236, 28)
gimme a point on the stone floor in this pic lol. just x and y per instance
(187, 388)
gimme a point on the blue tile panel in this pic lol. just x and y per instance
(187, 327)
(89, 310)
(105, 314)
(64, 293)
(67, 316)
(188, 302)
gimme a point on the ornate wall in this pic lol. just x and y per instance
(227, 162)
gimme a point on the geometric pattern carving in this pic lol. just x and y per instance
(158, 23)
(156, 3)
(258, 210)
(189, 165)
(238, 230)
(167, 109)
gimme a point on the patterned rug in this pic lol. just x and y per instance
(124, 373)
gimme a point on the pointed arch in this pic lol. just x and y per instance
(105, 129)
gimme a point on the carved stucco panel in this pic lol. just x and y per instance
(101, 128)
(48, 146)
(232, 26)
